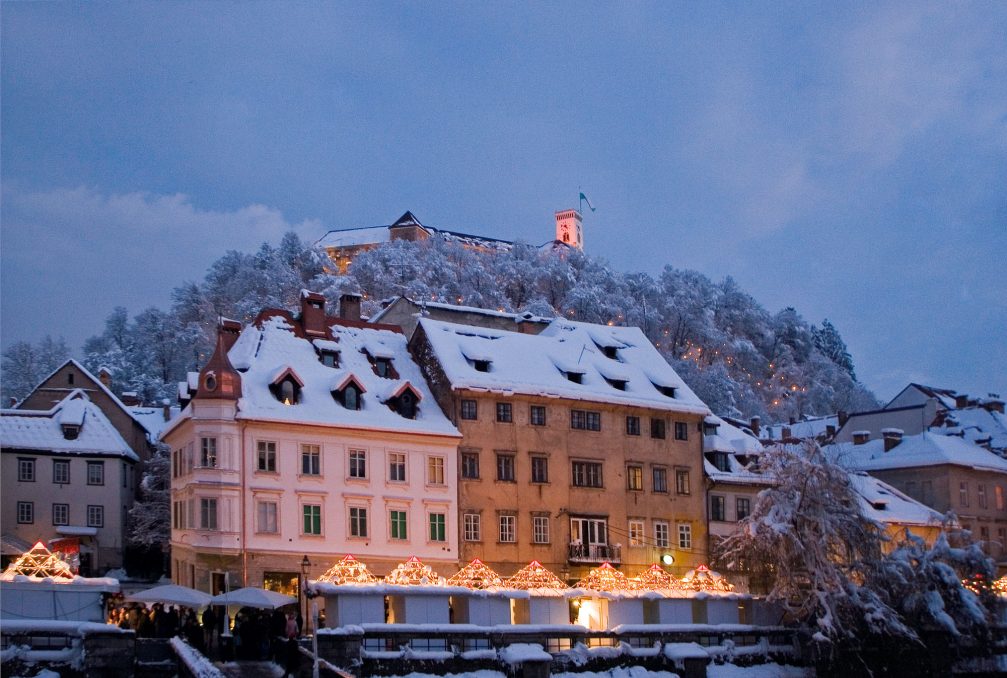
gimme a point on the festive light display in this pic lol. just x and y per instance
(656, 578)
(1000, 586)
(349, 570)
(413, 573)
(605, 578)
(705, 579)
(476, 575)
(39, 562)
(534, 576)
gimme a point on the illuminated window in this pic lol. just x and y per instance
(634, 478)
(636, 533)
(661, 539)
(682, 485)
(435, 470)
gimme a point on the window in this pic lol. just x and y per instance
(311, 460)
(505, 413)
(95, 473)
(329, 358)
(438, 527)
(435, 470)
(61, 472)
(540, 529)
(481, 365)
(470, 409)
(682, 481)
(536, 415)
(684, 536)
(999, 492)
(657, 429)
(632, 426)
(60, 514)
(349, 396)
(472, 527)
(539, 469)
(743, 508)
(266, 517)
(508, 529)
(267, 456)
(636, 533)
(719, 461)
(358, 464)
(587, 474)
(208, 452)
(26, 512)
(208, 514)
(95, 516)
(382, 367)
(397, 467)
(718, 507)
(660, 479)
(397, 525)
(26, 470)
(405, 404)
(981, 491)
(470, 465)
(984, 536)
(358, 521)
(963, 493)
(585, 420)
(661, 539)
(634, 478)
(681, 430)
(505, 468)
(312, 519)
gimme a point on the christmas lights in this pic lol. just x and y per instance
(534, 576)
(705, 579)
(476, 575)
(656, 578)
(349, 570)
(605, 578)
(39, 562)
(414, 573)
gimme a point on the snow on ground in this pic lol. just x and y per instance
(713, 671)
(760, 671)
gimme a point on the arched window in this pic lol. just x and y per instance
(288, 392)
(407, 404)
(351, 397)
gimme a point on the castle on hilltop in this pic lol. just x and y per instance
(343, 245)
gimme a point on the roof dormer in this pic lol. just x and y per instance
(327, 351)
(286, 386)
(404, 399)
(348, 392)
(380, 359)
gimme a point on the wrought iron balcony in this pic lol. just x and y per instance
(595, 553)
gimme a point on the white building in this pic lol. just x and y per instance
(309, 436)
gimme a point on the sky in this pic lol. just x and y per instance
(847, 159)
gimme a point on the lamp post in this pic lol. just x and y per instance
(305, 564)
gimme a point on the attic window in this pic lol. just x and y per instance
(610, 352)
(481, 365)
(879, 505)
(719, 460)
(617, 384)
(405, 404)
(287, 390)
(71, 431)
(329, 358)
(666, 390)
(575, 377)
(349, 397)
(69, 380)
(710, 428)
(383, 367)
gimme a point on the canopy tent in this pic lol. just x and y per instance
(476, 575)
(251, 596)
(535, 576)
(172, 594)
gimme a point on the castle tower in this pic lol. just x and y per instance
(569, 229)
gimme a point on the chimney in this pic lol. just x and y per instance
(349, 306)
(861, 437)
(830, 430)
(892, 436)
(793, 420)
(755, 423)
(227, 332)
(785, 433)
(993, 403)
(843, 417)
(105, 377)
(313, 314)
(166, 410)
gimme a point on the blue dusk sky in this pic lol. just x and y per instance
(848, 159)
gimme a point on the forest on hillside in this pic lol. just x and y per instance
(737, 356)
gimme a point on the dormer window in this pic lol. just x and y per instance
(719, 460)
(70, 431)
(610, 352)
(666, 390)
(575, 377)
(617, 384)
(710, 429)
(481, 365)
(286, 387)
(383, 367)
(329, 358)
(404, 400)
(348, 393)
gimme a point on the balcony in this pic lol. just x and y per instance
(594, 553)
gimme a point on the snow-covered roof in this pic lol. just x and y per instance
(883, 503)
(537, 364)
(270, 350)
(729, 439)
(811, 427)
(975, 424)
(355, 236)
(43, 430)
(152, 418)
(925, 449)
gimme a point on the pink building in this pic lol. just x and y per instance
(309, 436)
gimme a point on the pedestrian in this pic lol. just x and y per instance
(292, 665)
(292, 629)
(209, 626)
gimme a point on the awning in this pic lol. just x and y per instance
(77, 530)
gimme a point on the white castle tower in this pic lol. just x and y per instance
(569, 228)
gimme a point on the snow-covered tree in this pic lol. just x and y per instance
(26, 364)
(832, 346)
(150, 516)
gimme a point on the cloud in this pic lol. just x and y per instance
(71, 255)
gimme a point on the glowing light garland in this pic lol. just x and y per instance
(39, 562)
(654, 579)
(476, 575)
(705, 579)
(605, 578)
(349, 570)
(534, 576)
(414, 573)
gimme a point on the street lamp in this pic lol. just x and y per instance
(305, 564)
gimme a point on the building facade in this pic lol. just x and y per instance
(580, 445)
(309, 436)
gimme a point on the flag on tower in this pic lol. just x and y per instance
(583, 198)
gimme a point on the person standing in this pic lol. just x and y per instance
(209, 626)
